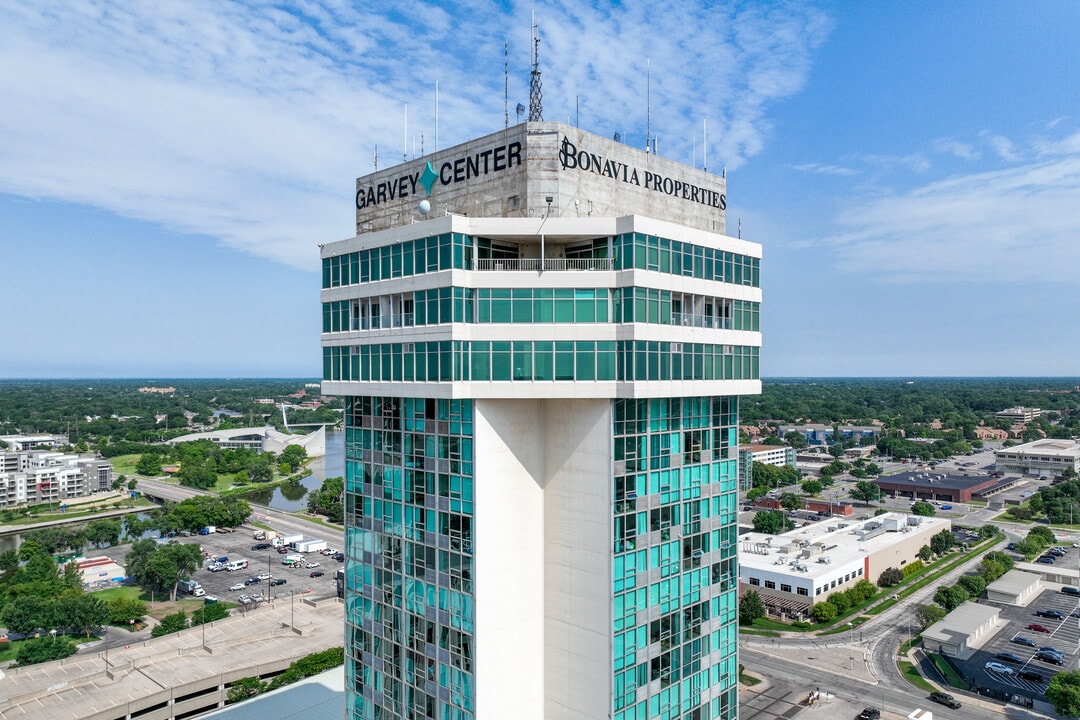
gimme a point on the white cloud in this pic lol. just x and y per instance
(250, 121)
(953, 147)
(916, 162)
(1010, 225)
(824, 169)
(1001, 145)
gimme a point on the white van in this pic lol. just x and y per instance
(236, 565)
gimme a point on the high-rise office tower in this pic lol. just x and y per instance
(542, 335)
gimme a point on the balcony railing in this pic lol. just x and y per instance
(702, 321)
(538, 265)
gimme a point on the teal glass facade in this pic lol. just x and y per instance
(410, 611)
(674, 555)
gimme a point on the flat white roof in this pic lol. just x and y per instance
(841, 541)
(961, 622)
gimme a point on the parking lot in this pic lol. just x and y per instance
(1062, 634)
(237, 546)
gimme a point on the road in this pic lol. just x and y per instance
(819, 661)
(281, 522)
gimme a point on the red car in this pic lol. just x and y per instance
(1038, 628)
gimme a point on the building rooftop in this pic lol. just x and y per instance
(1014, 582)
(814, 549)
(243, 645)
(1049, 446)
(931, 480)
(961, 622)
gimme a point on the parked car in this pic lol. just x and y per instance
(237, 586)
(1021, 640)
(945, 699)
(340, 557)
(870, 713)
(1038, 628)
(1052, 614)
(260, 546)
(1051, 649)
(252, 581)
(946, 507)
(1010, 658)
(313, 564)
(277, 581)
(1051, 658)
(244, 599)
(265, 576)
(1070, 590)
(997, 667)
(1046, 560)
(1030, 676)
(317, 573)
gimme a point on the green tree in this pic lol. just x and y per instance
(751, 607)
(125, 611)
(923, 508)
(772, 522)
(890, 577)
(1021, 512)
(865, 490)
(812, 487)
(790, 501)
(208, 613)
(170, 624)
(841, 601)
(942, 542)
(795, 439)
(1043, 535)
(929, 614)
(862, 591)
(951, 597)
(44, 649)
(27, 614)
(1063, 692)
(132, 484)
(925, 553)
(149, 464)
(823, 612)
(973, 584)
(82, 612)
(245, 688)
(104, 532)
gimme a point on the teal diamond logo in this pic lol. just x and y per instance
(428, 177)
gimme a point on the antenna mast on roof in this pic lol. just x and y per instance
(536, 95)
(375, 158)
(506, 83)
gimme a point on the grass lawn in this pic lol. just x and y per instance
(8, 650)
(125, 464)
(764, 623)
(912, 675)
(950, 675)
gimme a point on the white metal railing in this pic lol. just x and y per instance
(716, 323)
(537, 265)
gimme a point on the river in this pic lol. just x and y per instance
(291, 497)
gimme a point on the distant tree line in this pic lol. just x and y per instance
(101, 413)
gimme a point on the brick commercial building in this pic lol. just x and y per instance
(932, 486)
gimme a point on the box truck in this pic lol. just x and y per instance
(292, 558)
(191, 587)
(310, 545)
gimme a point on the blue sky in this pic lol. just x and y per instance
(167, 169)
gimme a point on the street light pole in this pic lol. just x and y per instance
(851, 648)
